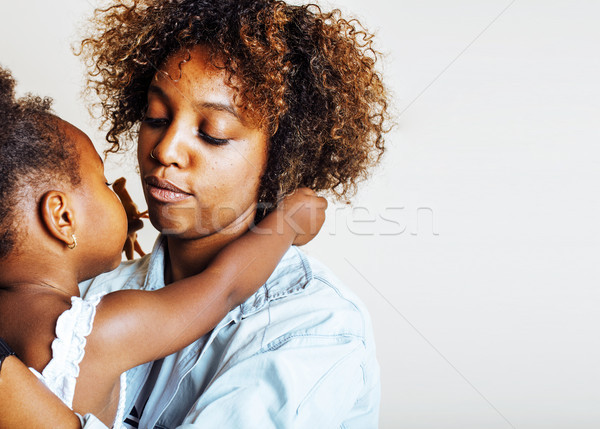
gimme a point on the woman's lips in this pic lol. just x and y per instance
(164, 191)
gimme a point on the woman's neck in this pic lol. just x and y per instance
(187, 258)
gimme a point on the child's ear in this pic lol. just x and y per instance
(58, 216)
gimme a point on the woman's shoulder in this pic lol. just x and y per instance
(303, 289)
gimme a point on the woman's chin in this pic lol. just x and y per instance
(182, 234)
(182, 228)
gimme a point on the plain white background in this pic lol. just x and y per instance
(475, 245)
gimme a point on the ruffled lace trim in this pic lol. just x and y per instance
(68, 348)
(120, 417)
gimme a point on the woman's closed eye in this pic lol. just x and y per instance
(212, 140)
(162, 122)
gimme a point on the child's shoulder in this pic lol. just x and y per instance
(31, 326)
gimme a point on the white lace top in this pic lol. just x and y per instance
(68, 349)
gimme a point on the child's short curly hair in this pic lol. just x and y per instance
(34, 152)
(306, 76)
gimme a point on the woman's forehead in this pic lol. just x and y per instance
(197, 60)
(191, 71)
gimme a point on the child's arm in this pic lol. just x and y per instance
(26, 403)
(133, 327)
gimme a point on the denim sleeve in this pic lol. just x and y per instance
(299, 382)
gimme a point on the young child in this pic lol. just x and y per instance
(61, 224)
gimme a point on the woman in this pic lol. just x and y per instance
(238, 104)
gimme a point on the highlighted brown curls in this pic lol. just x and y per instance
(306, 76)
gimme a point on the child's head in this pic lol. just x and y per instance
(52, 185)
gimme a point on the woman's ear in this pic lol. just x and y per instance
(58, 217)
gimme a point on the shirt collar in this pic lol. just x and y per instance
(155, 277)
(290, 277)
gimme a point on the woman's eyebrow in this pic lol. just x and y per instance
(222, 107)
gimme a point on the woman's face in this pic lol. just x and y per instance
(200, 161)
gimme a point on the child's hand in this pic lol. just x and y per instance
(304, 212)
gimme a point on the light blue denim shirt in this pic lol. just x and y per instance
(298, 354)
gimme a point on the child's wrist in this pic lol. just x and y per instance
(289, 225)
(277, 223)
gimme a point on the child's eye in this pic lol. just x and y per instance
(109, 184)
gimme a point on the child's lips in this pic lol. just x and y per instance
(164, 191)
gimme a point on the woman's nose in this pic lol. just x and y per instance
(171, 148)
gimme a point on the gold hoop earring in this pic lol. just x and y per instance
(152, 154)
(74, 243)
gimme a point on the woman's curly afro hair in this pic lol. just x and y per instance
(34, 153)
(305, 76)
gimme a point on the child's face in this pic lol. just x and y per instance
(101, 223)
